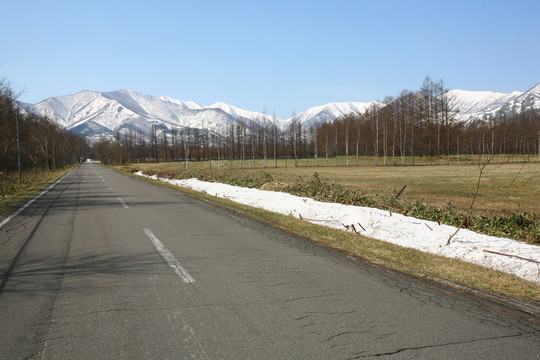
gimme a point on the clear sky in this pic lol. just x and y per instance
(274, 56)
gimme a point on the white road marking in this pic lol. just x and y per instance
(123, 203)
(98, 174)
(19, 210)
(169, 259)
(95, 172)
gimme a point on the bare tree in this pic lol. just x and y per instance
(274, 137)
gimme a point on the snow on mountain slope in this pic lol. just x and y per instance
(113, 111)
(187, 104)
(477, 103)
(329, 112)
(96, 114)
(246, 114)
(474, 101)
(523, 102)
(68, 109)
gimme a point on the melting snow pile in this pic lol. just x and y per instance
(513, 257)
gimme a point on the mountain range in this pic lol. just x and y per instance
(97, 114)
(478, 104)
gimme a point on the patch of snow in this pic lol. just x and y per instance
(423, 235)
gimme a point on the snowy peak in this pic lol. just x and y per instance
(474, 102)
(187, 104)
(241, 113)
(97, 114)
(527, 101)
(478, 104)
(534, 90)
(329, 112)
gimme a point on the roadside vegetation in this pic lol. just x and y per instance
(34, 150)
(506, 206)
(356, 246)
(13, 194)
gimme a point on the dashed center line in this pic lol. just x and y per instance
(169, 258)
(123, 203)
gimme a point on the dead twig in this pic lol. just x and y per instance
(526, 182)
(511, 255)
(514, 179)
(353, 229)
(398, 195)
(468, 214)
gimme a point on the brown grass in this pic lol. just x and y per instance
(12, 194)
(505, 187)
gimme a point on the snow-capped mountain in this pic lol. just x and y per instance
(478, 104)
(241, 113)
(96, 114)
(329, 112)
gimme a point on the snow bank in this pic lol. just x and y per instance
(398, 229)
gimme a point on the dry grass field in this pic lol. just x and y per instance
(504, 186)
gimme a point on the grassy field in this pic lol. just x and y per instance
(504, 188)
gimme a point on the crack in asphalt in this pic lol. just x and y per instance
(389, 353)
(484, 312)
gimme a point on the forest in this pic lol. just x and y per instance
(397, 131)
(33, 143)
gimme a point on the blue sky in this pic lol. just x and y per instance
(274, 56)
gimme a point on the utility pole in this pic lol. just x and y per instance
(18, 146)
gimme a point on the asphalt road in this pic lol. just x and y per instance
(104, 266)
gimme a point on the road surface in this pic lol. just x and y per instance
(104, 266)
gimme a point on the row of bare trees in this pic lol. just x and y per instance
(240, 140)
(39, 142)
(398, 130)
(423, 124)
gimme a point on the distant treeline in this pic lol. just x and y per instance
(423, 124)
(414, 124)
(43, 144)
